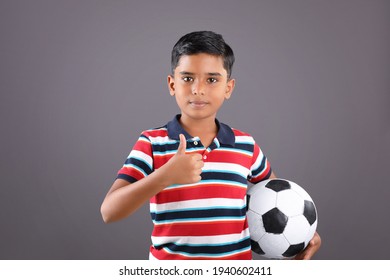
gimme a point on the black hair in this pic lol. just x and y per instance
(203, 42)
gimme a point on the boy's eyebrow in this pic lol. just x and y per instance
(186, 73)
(214, 74)
(192, 74)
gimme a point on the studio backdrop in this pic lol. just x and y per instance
(80, 80)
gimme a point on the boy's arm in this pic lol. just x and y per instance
(272, 176)
(124, 198)
(314, 244)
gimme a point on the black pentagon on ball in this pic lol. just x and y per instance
(278, 185)
(274, 221)
(310, 212)
(256, 248)
(293, 250)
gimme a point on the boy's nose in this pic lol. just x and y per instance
(197, 89)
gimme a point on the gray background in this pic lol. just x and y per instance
(79, 80)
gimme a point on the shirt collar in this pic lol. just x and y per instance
(225, 134)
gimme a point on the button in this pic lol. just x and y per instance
(204, 157)
(195, 143)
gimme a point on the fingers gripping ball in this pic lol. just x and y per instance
(282, 218)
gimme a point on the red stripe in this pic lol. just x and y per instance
(143, 146)
(155, 133)
(200, 228)
(222, 156)
(214, 156)
(239, 133)
(199, 192)
(130, 171)
(160, 160)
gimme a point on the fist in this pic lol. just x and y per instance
(184, 168)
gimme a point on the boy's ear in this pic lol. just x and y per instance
(171, 85)
(229, 88)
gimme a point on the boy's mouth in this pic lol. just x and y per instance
(198, 104)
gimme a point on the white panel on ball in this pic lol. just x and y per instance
(273, 245)
(297, 229)
(290, 202)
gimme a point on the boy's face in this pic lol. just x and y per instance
(200, 85)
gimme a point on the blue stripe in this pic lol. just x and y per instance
(245, 147)
(199, 214)
(167, 143)
(127, 178)
(164, 148)
(223, 176)
(179, 219)
(224, 172)
(174, 151)
(140, 163)
(258, 170)
(137, 168)
(262, 178)
(195, 209)
(226, 182)
(199, 220)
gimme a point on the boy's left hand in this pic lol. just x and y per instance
(311, 249)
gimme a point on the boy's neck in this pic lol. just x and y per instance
(199, 127)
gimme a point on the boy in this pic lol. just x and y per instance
(194, 170)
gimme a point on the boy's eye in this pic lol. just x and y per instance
(188, 79)
(212, 80)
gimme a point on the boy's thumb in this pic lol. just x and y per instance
(182, 145)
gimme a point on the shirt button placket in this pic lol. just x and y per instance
(205, 154)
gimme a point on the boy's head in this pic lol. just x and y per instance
(206, 42)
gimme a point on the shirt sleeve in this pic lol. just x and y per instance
(261, 168)
(139, 162)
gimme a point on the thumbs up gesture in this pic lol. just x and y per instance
(184, 168)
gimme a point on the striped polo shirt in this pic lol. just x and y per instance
(205, 220)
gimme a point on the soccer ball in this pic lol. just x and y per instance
(282, 218)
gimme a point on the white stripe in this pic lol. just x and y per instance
(208, 182)
(197, 204)
(201, 240)
(156, 129)
(258, 161)
(226, 167)
(141, 156)
(245, 139)
(160, 140)
(194, 149)
(235, 150)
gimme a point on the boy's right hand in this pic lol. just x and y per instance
(124, 198)
(184, 168)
